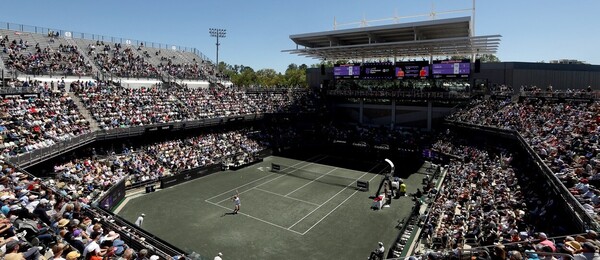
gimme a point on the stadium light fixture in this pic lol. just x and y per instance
(217, 33)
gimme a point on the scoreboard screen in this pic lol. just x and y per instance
(412, 70)
(448, 69)
(346, 71)
(381, 70)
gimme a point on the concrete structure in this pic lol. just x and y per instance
(560, 76)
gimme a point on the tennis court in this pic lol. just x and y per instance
(306, 210)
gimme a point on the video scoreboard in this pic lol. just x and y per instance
(412, 70)
(448, 69)
(380, 70)
(347, 71)
(440, 69)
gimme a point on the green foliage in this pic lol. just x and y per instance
(245, 76)
(484, 58)
(329, 64)
(294, 76)
(489, 58)
(267, 77)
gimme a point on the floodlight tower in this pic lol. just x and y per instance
(218, 33)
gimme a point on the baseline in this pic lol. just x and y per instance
(257, 218)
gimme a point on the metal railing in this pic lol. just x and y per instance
(97, 37)
(564, 192)
(595, 95)
(508, 247)
(400, 94)
(18, 90)
(37, 155)
(583, 217)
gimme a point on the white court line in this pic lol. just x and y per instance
(272, 179)
(333, 197)
(318, 207)
(336, 206)
(285, 196)
(229, 191)
(240, 187)
(259, 219)
(310, 182)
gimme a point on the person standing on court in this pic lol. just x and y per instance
(140, 220)
(218, 257)
(236, 202)
(377, 254)
(402, 189)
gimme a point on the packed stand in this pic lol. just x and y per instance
(185, 154)
(38, 223)
(182, 71)
(121, 61)
(38, 120)
(566, 136)
(65, 60)
(481, 204)
(87, 178)
(118, 107)
(193, 70)
(221, 101)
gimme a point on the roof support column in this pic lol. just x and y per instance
(393, 123)
(361, 107)
(429, 114)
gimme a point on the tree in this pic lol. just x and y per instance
(267, 77)
(292, 66)
(246, 78)
(329, 64)
(484, 58)
(489, 58)
(294, 76)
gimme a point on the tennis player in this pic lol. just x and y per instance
(236, 202)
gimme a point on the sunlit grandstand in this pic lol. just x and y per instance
(405, 141)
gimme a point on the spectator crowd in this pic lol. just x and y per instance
(39, 222)
(481, 205)
(566, 136)
(87, 178)
(119, 107)
(49, 219)
(121, 61)
(36, 60)
(29, 122)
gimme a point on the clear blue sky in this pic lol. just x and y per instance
(257, 31)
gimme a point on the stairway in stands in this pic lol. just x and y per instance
(85, 112)
(83, 52)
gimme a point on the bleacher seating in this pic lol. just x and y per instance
(39, 120)
(33, 54)
(564, 134)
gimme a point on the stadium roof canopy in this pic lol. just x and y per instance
(442, 37)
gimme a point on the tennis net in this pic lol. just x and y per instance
(318, 177)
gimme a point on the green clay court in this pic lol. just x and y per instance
(282, 216)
